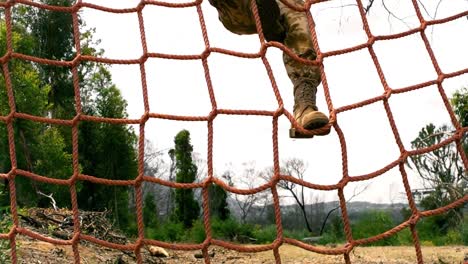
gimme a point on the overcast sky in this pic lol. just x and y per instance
(179, 87)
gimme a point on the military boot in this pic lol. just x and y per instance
(305, 110)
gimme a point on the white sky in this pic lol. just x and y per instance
(179, 87)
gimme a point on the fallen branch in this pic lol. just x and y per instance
(54, 204)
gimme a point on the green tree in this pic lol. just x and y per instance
(39, 148)
(150, 212)
(186, 207)
(107, 151)
(53, 32)
(218, 202)
(442, 170)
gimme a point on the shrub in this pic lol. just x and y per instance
(171, 231)
(373, 223)
(327, 238)
(231, 230)
(427, 229)
(405, 237)
(297, 234)
(453, 237)
(150, 212)
(197, 233)
(226, 229)
(465, 231)
(266, 234)
(5, 225)
(426, 243)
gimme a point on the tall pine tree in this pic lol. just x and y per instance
(218, 202)
(186, 207)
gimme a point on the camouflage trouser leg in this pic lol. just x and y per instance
(298, 39)
(237, 17)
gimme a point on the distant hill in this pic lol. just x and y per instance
(355, 209)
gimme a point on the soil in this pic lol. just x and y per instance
(38, 252)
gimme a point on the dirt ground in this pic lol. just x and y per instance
(35, 252)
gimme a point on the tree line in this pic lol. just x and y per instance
(105, 150)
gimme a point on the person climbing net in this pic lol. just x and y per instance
(289, 27)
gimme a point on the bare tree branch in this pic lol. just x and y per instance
(434, 17)
(424, 8)
(391, 14)
(369, 6)
(52, 200)
(355, 194)
(249, 179)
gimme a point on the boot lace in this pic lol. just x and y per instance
(305, 93)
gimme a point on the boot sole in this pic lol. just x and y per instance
(293, 133)
(321, 122)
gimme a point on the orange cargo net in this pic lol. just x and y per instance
(272, 184)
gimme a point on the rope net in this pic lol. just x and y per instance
(272, 184)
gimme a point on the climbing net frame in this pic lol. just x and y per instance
(141, 241)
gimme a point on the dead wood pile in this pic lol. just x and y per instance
(59, 224)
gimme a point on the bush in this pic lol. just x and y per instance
(465, 231)
(169, 231)
(405, 237)
(297, 234)
(5, 225)
(427, 229)
(373, 223)
(197, 233)
(266, 234)
(453, 237)
(229, 229)
(328, 238)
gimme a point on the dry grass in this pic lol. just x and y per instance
(367, 255)
(30, 251)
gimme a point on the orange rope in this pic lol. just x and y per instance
(136, 183)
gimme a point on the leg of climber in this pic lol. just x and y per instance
(305, 78)
(282, 24)
(237, 17)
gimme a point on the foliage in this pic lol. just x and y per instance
(173, 231)
(187, 208)
(39, 148)
(5, 225)
(266, 234)
(442, 170)
(150, 212)
(218, 202)
(459, 103)
(53, 33)
(374, 223)
(369, 224)
(230, 229)
(428, 230)
(464, 231)
(404, 237)
(197, 233)
(106, 150)
(334, 231)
